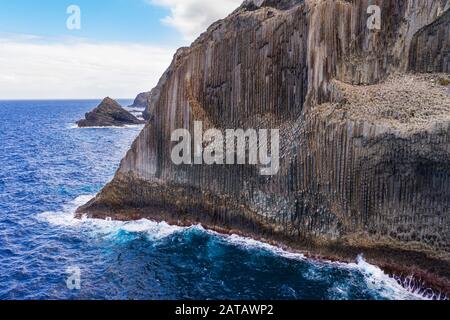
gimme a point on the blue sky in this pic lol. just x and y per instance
(122, 48)
(102, 20)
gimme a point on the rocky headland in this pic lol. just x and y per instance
(109, 114)
(141, 101)
(365, 152)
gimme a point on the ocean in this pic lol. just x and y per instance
(48, 167)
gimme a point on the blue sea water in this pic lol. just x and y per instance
(48, 167)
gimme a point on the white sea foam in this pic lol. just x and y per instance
(376, 280)
(66, 217)
(108, 228)
(255, 244)
(389, 287)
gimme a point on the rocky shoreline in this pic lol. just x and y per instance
(409, 268)
(365, 137)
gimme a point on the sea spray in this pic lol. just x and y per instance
(385, 286)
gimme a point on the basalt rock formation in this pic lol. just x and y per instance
(108, 114)
(430, 48)
(365, 153)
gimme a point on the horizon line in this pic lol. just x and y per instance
(60, 99)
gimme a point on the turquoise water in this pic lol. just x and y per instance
(49, 167)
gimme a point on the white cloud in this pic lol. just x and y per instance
(74, 69)
(33, 67)
(192, 17)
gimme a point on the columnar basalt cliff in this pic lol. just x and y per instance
(365, 153)
(430, 49)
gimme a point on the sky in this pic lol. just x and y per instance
(121, 47)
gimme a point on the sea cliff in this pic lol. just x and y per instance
(365, 153)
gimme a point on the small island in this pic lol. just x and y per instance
(109, 113)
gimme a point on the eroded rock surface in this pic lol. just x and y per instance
(430, 49)
(364, 167)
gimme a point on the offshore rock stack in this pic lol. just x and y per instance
(365, 152)
(108, 114)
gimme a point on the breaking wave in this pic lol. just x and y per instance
(107, 228)
(376, 280)
(390, 287)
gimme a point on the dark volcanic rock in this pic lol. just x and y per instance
(430, 48)
(141, 101)
(365, 146)
(108, 114)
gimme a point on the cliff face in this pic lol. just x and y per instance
(363, 168)
(430, 48)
